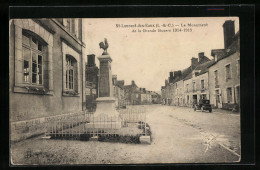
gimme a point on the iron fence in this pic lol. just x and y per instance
(90, 124)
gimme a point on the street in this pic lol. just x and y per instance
(179, 135)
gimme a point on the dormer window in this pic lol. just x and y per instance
(196, 73)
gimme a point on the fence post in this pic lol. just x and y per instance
(45, 125)
(93, 126)
(62, 128)
(55, 127)
(145, 124)
(51, 127)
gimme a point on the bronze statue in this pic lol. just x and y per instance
(104, 46)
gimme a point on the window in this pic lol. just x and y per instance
(203, 96)
(216, 77)
(193, 86)
(229, 95)
(187, 87)
(32, 54)
(71, 25)
(228, 72)
(69, 82)
(71, 78)
(202, 84)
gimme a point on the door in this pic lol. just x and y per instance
(195, 101)
(218, 99)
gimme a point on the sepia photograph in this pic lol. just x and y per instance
(156, 90)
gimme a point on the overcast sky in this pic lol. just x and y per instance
(148, 57)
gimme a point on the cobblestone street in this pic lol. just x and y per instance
(179, 135)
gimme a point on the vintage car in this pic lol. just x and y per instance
(203, 105)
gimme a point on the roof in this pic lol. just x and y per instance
(120, 83)
(202, 67)
(204, 59)
(224, 53)
(129, 86)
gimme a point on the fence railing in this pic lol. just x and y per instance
(133, 115)
(92, 125)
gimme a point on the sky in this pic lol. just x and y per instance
(148, 57)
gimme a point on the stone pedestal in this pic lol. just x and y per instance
(106, 113)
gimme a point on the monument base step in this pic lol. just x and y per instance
(145, 139)
(93, 138)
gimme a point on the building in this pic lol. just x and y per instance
(91, 88)
(196, 84)
(129, 91)
(185, 86)
(217, 80)
(224, 72)
(156, 98)
(145, 96)
(167, 93)
(46, 68)
(119, 94)
(163, 97)
(141, 96)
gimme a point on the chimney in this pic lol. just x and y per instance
(194, 62)
(133, 82)
(171, 77)
(166, 82)
(177, 73)
(91, 60)
(229, 32)
(201, 56)
(114, 79)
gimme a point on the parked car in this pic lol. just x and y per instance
(203, 105)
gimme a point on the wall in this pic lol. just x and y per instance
(197, 91)
(223, 83)
(26, 106)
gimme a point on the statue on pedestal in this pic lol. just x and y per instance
(106, 108)
(104, 45)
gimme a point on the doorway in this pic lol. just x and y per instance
(218, 104)
(195, 100)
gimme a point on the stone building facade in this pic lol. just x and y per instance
(119, 92)
(196, 85)
(185, 86)
(141, 96)
(224, 73)
(129, 92)
(217, 80)
(46, 63)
